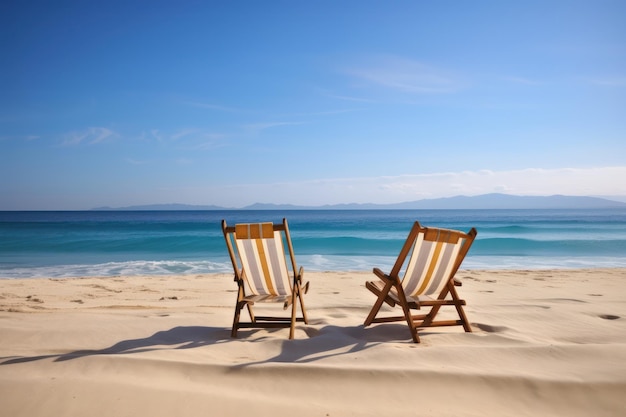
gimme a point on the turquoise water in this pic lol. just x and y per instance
(162, 242)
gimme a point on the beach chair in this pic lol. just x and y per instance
(258, 257)
(434, 256)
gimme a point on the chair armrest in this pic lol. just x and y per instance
(380, 274)
(305, 287)
(456, 282)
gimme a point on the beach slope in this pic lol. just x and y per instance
(547, 343)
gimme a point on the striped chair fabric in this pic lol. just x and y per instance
(263, 259)
(265, 274)
(431, 263)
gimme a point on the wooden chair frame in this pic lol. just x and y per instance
(291, 298)
(389, 289)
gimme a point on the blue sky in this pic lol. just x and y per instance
(119, 103)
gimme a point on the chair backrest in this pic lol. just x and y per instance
(261, 259)
(435, 256)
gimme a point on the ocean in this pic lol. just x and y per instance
(112, 243)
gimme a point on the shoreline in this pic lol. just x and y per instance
(544, 342)
(175, 268)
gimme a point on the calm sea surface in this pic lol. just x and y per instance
(77, 243)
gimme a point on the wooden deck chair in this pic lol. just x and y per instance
(258, 257)
(434, 256)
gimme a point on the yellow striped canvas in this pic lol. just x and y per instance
(263, 259)
(431, 263)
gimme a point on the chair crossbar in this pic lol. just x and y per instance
(278, 319)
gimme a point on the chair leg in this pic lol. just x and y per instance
(460, 310)
(407, 314)
(304, 317)
(379, 302)
(238, 308)
(293, 318)
(250, 312)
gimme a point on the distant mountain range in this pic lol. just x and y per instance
(485, 201)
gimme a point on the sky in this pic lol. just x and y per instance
(121, 103)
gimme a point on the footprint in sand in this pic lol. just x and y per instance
(564, 300)
(470, 278)
(609, 316)
(102, 287)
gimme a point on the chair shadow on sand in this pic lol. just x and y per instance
(331, 341)
(182, 337)
(321, 343)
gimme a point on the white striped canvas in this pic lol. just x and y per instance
(264, 266)
(430, 264)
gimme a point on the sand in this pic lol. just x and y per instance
(544, 343)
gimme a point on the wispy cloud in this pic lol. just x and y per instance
(344, 97)
(207, 146)
(184, 133)
(156, 134)
(326, 113)
(521, 80)
(257, 127)
(531, 181)
(405, 75)
(396, 189)
(355, 99)
(27, 138)
(211, 106)
(90, 136)
(193, 139)
(268, 125)
(609, 81)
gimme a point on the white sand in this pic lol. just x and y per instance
(545, 343)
